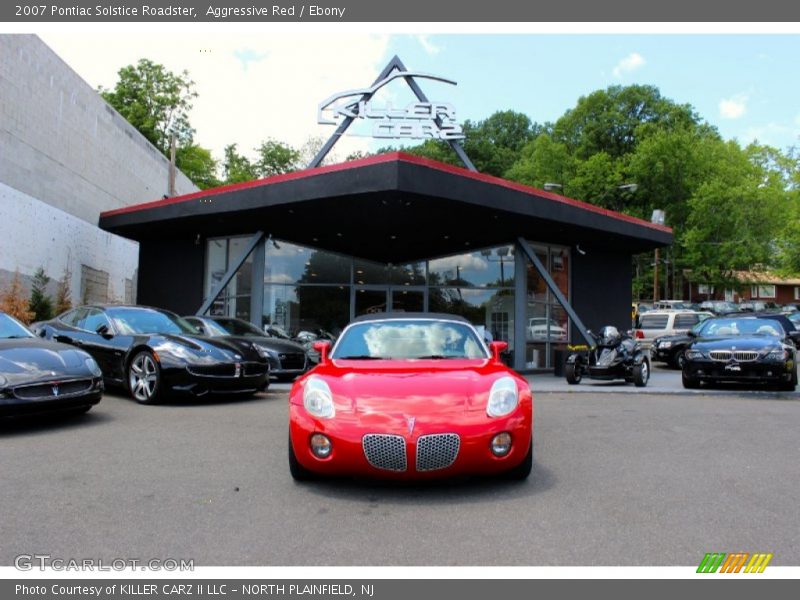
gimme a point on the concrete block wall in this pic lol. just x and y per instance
(36, 235)
(62, 143)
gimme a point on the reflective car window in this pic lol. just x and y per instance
(238, 327)
(94, 319)
(210, 327)
(653, 322)
(11, 328)
(130, 321)
(683, 321)
(75, 317)
(409, 339)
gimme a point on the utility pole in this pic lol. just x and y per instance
(171, 181)
(655, 278)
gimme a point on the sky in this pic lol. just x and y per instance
(257, 86)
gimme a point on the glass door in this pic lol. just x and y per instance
(407, 300)
(371, 300)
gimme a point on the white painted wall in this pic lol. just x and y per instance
(36, 234)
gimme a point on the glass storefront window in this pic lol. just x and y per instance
(493, 309)
(234, 300)
(307, 307)
(289, 263)
(490, 267)
(547, 324)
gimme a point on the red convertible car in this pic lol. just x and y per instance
(410, 396)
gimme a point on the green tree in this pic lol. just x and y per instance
(198, 164)
(40, 304)
(275, 158)
(154, 100)
(236, 167)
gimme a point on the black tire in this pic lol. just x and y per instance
(689, 383)
(523, 469)
(678, 360)
(143, 377)
(791, 385)
(572, 373)
(641, 374)
(298, 471)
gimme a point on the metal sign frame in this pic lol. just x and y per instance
(394, 65)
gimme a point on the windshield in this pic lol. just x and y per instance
(210, 328)
(409, 339)
(740, 327)
(10, 328)
(130, 321)
(239, 327)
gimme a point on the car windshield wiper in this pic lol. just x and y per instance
(15, 337)
(361, 357)
(436, 357)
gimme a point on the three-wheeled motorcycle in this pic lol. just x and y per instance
(614, 356)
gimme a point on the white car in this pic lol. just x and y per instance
(657, 323)
(538, 329)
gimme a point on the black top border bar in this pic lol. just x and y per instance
(408, 11)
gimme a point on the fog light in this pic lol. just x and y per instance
(501, 444)
(321, 446)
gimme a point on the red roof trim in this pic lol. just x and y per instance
(384, 158)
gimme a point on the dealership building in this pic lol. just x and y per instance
(315, 248)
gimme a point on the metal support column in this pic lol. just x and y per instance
(257, 284)
(520, 309)
(231, 272)
(523, 246)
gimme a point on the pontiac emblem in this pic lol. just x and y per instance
(410, 422)
(238, 371)
(55, 390)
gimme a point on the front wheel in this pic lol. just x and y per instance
(641, 374)
(679, 360)
(791, 385)
(523, 469)
(144, 378)
(689, 383)
(298, 471)
(573, 373)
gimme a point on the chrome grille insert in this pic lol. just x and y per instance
(385, 451)
(738, 355)
(437, 451)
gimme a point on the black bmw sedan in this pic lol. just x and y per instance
(742, 349)
(38, 376)
(154, 352)
(287, 359)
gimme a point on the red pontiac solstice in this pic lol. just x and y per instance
(410, 396)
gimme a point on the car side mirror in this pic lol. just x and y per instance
(200, 329)
(691, 334)
(103, 330)
(322, 347)
(497, 349)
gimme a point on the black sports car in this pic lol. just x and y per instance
(153, 352)
(287, 359)
(40, 376)
(742, 349)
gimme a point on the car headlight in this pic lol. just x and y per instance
(665, 345)
(178, 351)
(503, 397)
(93, 367)
(317, 398)
(265, 352)
(3, 381)
(694, 354)
(776, 355)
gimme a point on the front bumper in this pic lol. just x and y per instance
(11, 405)
(253, 378)
(348, 457)
(754, 372)
(661, 354)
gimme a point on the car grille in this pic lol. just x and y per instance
(385, 451)
(228, 370)
(43, 391)
(740, 355)
(437, 451)
(292, 361)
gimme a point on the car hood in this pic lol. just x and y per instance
(34, 359)
(739, 342)
(285, 346)
(375, 390)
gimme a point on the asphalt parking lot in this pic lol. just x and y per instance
(619, 479)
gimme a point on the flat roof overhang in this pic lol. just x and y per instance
(391, 208)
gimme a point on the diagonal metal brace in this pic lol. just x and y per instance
(562, 300)
(231, 273)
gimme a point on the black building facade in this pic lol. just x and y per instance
(312, 249)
